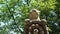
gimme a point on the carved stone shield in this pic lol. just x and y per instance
(34, 27)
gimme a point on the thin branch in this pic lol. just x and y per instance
(13, 18)
(28, 2)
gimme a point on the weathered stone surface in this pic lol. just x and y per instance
(34, 25)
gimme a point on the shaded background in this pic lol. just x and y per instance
(14, 12)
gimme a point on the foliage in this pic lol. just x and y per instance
(14, 12)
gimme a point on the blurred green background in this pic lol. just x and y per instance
(14, 12)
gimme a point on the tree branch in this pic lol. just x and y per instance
(13, 18)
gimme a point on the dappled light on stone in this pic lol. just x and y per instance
(33, 25)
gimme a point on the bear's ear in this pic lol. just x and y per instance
(27, 19)
(43, 21)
